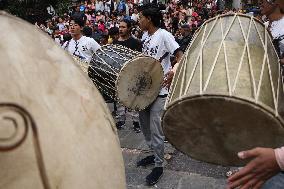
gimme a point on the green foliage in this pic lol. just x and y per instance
(62, 6)
(24, 8)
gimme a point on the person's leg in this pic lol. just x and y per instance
(135, 121)
(157, 135)
(121, 116)
(144, 118)
(157, 138)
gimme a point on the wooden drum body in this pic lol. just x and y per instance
(126, 75)
(227, 94)
(55, 129)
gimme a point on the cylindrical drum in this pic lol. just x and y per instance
(126, 75)
(55, 129)
(227, 93)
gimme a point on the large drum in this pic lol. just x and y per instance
(127, 76)
(227, 94)
(55, 129)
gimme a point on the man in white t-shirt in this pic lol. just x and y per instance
(159, 44)
(80, 46)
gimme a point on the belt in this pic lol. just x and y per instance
(163, 96)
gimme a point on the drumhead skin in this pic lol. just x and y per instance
(215, 128)
(139, 82)
(227, 94)
(55, 129)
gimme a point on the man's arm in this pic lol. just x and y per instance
(169, 76)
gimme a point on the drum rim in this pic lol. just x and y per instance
(230, 14)
(264, 107)
(124, 67)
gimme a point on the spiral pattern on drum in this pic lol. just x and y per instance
(21, 119)
(14, 126)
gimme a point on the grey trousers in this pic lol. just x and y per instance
(121, 112)
(150, 121)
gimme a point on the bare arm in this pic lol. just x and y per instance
(169, 76)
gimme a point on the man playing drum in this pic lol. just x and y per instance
(80, 46)
(126, 40)
(159, 44)
(266, 162)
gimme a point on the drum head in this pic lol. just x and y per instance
(139, 82)
(55, 129)
(215, 128)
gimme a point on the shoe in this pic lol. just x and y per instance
(136, 127)
(120, 125)
(114, 114)
(149, 160)
(166, 140)
(154, 176)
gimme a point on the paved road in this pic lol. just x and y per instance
(180, 171)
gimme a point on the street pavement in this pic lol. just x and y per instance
(180, 171)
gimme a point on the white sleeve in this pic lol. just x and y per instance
(170, 42)
(94, 46)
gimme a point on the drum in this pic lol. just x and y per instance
(127, 76)
(55, 129)
(227, 94)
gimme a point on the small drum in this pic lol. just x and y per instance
(227, 93)
(55, 129)
(127, 76)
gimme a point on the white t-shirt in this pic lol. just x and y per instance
(83, 48)
(134, 17)
(157, 45)
(277, 31)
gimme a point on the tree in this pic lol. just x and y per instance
(33, 10)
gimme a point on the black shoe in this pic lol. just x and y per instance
(149, 160)
(166, 140)
(114, 114)
(136, 127)
(120, 125)
(154, 176)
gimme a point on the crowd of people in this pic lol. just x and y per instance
(155, 29)
(102, 18)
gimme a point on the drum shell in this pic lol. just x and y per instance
(126, 76)
(226, 76)
(70, 141)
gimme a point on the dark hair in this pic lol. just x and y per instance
(113, 31)
(78, 20)
(153, 12)
(128, 23)
(87, 31)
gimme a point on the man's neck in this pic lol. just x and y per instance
(152, 30)
(123, 38)
(77, 37)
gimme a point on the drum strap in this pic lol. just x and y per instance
(164, 56)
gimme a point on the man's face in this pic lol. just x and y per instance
(143, 22)
(74, 28)
(123, 29)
